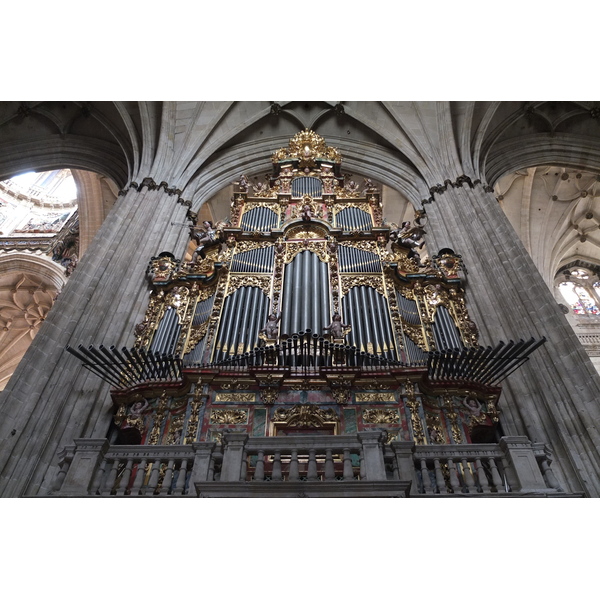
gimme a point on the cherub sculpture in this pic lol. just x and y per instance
(336, 327)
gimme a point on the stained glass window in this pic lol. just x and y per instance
(579, 298)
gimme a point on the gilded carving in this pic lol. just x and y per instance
(307, 146)
(453, 418)
(246, 245)
(175, 431)
(318, 248)
(375, 397)
(260, 281)
(232, 417)
(268, 396)
(341, 395)
(415, 419)
(192, 427)
(306, 232)
(364, 206)
(380, 415)
(145, 330)
(159, 416)
(350, 281)
(274, 206)
(368, 245)
(225, 397)
(305, 415)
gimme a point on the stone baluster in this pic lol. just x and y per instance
(294, 471)
(211, 469)
(276, 471)
(168, 478)
(329, 469)
(427, 488)
(496, 479)
(153, 480)
(244, 472)
(454, 482)
(481, 476)
(65, 456)
(549, 476)
(439, 477)
(348, 470)
(124, 483)
(98, 478)
(181, 475)
(312, 474)
(259, 471)
(468, 477)
(112, 477)
(140, 475)
(361, 462)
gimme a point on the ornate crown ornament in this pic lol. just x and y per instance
(307, 147)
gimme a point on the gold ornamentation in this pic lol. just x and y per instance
(268, 396)
(364, 206)
(260, 281)
(350, 281)
(307, 146)
(453, 418)
(375, 397)
(415, 419)
(274, 206)
(226, 397)
(145, 330)
(159, 416)
(162, 268)
(305, 415)
(246, 245)
(380, 415)
(306, 232)
(175, 431)
(318, 248)
(415, 333)
(345, 192)
(232, 417)
(368, 245)
(120, 415)
(196, 335)
(341, 395)
(192, 427)
(436, 296)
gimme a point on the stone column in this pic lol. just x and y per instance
(88, 456)
(233, 453)
(555, 396)
(373, 456)
(203, 452)
(51, 399)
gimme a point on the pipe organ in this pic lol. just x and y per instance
(306, 298)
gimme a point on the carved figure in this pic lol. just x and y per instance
(306, 213)
(271, 327)
(204, 236)
(243, 183)
(336, 327)
(409, 235)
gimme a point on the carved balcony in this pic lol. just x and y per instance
(359, 465)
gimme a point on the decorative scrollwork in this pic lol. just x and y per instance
(364, 206)
(229, 417)
(305, 415)
(243, 398)
(306, 147)
(380, 415)
(269, 396)
(350, 281)
(373, 397)
(260, 281)
(318, 248)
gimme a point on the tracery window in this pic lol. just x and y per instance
(580, 288)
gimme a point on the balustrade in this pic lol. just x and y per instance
(512, 467)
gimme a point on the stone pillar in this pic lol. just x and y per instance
(404, 459)
(51, 399)
(203, 452)
(555, 397)
(519, 452)
(88, 456)
(373, 456)
(233, 453)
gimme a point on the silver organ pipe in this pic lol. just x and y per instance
(259, 260)
(355, 260)
(353, 219)
(260, 218)
(445, 332)
(167, 333)
(307, 185)
(305, 277)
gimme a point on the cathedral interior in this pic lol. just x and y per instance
(300, 299)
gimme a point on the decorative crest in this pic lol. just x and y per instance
(307, 147)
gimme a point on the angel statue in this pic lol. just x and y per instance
(205, 236)
(336, 327)
(410, 235)
(271, 327)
